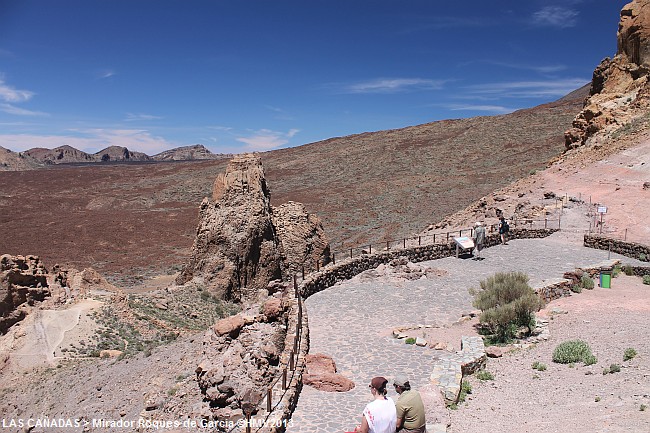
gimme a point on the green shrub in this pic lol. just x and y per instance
(410, 340)
(573, 351)
(576, 288)
(597, 399)
(628, 270)
(539, 366)
(507, 302)
(643, 407)
(614, 368)
(629, 354)
(586, 282)
(642, 257)
(616, 271)
(646, 279)
(484, 375)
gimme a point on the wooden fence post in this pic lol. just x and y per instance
(284, 378)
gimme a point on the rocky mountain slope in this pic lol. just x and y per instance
(133, 220)
(16, 161)
(188, 153)
(39, 157)
(607, 160)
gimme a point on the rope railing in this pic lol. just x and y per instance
(436, 238)
(271, 398)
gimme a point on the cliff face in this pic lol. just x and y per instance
(23, 280)
(620, 92)
(240, 245)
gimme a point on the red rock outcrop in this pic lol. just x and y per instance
(620, 92)
(23, 281)
(321, 374)
(241, 244)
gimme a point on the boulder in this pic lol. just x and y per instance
(229, 326)
(272, 309)
(318, 363)
(328, 382)
(434, 404)
(494, 351)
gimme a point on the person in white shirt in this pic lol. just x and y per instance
(380, 415)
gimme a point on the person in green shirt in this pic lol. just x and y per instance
(409, 406)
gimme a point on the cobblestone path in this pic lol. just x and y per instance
(352, 321)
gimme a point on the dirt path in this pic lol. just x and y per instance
(36, 340)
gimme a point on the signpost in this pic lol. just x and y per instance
(602, 210)
(463, 243)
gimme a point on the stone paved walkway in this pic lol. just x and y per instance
(352, 321)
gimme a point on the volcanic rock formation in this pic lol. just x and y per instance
(23, 281)
(238, 249)
(302, 238)
(620, 91)
(241, 356)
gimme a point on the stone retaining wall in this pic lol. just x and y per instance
(349, 268)
(628, 249)
(345, 270)
(632, 250)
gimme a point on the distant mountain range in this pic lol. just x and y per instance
(40, 157)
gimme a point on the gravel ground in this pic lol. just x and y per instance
(572, 398)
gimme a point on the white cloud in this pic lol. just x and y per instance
(105, 73)
(497, 109)
(394, 85)
(10, 109)
(529, 89)
(542, 69)
(220, 128)
(131, 117)
(555, 16)
(90, 140)
(9, 94)
(266, 139)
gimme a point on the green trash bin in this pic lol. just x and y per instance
(606, 277)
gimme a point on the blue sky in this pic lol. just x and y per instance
(239, 75)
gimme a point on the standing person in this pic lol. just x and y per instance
(504, 228)
(409, 406)
(379, 415)
(479, 239)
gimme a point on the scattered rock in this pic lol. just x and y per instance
(494, 351)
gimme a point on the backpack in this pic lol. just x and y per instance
(505, 227)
